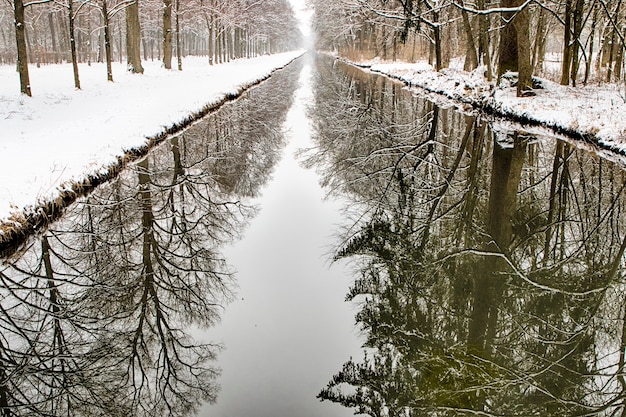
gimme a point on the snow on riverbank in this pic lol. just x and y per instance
(596, 113)
(62, 135)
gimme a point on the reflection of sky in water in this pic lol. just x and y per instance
(289, 329)
(554, 325)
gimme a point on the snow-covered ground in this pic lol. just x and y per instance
(62, 135)
(595, 111)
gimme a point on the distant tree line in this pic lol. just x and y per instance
(85, 31)
(502, 35)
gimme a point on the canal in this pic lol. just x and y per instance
(329, 243)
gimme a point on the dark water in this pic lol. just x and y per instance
(483, 265)
(491, 261)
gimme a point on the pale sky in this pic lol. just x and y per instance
(303, 15)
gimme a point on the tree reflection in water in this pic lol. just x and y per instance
(491, 276)
(96, 314)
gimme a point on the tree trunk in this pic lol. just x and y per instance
(524, 68)
(179, 59)
(133, 38)
(64, 37)
(218, 44)
(224, 45)
(100, 54)
(540, 40)
(483, 40)
(508, 42)
(53, 38)
(211, 41)
(208, 18)
(29, 47)
(612, 43)
(70, 15)
(618, 60)
(567, 40)
(88, 46)
(578, 28)
(20, 39)
(437, 36)
(471, 48)
(384, 42)
(514, 46)
(107, 41)
(167, 34)
(591, 42)
(119, 43)
(609, 71)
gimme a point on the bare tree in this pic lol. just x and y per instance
(167, 34)
(133, 38)
(20, 40)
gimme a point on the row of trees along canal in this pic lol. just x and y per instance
(515, 34)
(48, 31)
(490, 262)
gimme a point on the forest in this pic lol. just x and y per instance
(572, 41)
(43, 32)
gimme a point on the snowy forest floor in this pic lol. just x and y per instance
(61, 142)
(594, 113)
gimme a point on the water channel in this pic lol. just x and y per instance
(329, 243)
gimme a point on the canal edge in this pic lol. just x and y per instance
(488, 106)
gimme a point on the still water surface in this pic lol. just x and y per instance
(289, 328)
(492, 259)
(486, 270)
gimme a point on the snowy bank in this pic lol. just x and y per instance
(63, 141)
(593, 113)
